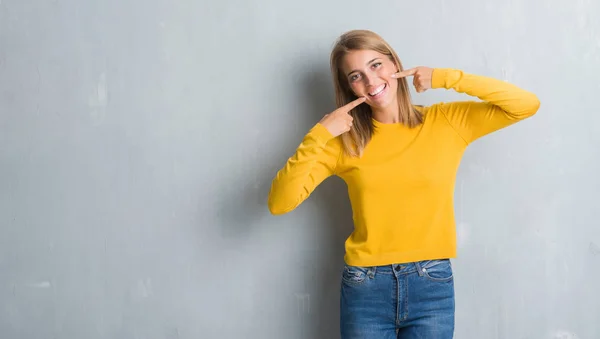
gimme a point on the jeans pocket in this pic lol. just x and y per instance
(354, 275)
(439, 270)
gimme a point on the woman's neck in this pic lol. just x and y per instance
(387, 115)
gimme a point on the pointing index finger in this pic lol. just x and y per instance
(354, 103)
(405, 73)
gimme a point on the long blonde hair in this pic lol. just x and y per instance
(355, 140)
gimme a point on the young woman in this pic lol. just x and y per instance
(399, 162)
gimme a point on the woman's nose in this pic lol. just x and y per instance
(369, 79)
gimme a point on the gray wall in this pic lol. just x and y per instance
(138, 141)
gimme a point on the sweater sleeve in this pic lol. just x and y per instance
(313, 161)
(503, 103)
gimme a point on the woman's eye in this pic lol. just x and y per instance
(354, 77)
(377, 64)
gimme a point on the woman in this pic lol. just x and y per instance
(399, 162)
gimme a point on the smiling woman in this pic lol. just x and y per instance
(374, 81)
(400, 163)
(361, 61)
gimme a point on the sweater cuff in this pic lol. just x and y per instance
(439, 77)
(321, 134)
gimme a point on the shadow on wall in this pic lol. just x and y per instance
(319, 312)
(336, 223)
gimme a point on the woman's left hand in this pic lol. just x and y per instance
(421, 77)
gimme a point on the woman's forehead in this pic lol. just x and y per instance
(358, 59)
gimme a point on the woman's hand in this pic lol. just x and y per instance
(339, 121)
(421, 77)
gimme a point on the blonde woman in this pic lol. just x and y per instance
(399, 162)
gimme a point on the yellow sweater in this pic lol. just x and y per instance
(402, 188)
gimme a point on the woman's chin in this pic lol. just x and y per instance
(379, 104)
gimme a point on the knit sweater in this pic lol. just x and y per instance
(401, 189)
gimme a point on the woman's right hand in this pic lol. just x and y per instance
(339, 121)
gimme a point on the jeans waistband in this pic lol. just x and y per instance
(403, 268)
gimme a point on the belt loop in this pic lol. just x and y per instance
(419, 268)
(371, 272)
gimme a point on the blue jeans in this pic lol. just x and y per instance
(412, 300)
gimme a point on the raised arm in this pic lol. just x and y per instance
(315, 159)
(312, 163)
(503, 104)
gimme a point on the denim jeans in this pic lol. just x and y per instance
(412, 300)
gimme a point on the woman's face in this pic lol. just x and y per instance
(369, 75)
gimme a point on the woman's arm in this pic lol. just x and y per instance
(503, 103)
(312, 163)
(315, 159)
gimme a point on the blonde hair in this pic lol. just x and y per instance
(355, 140)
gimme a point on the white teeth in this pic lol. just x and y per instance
(378, 90)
